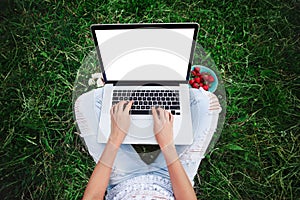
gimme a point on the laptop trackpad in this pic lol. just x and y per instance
(142, 123)
(141, 128)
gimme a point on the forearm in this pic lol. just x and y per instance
(181, 184)
(100, 177)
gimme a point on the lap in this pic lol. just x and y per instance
(87, 113)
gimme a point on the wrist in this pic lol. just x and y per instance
(116, 137)
(114, 142)
(165, 146)
(108, 155)
(170, 148)
(170, 154)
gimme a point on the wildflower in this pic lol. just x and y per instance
(96, 75)
(91, 82)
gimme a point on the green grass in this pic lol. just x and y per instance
(255, 45)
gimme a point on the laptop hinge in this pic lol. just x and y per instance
(146, 83)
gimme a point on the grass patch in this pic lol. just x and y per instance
(255, 45)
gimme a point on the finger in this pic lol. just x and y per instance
(154, 113)
(160, 110)
(168, 115)
(161, 114)
(212, 106)
(172, 118)
(121, 106)
(128, 106)
(157, 112)
(115, 109)
(214, 101)
(112, 110)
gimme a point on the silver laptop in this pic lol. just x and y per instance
(149, 64)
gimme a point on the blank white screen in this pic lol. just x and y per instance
(145, 54)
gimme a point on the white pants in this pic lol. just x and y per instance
(128, 163)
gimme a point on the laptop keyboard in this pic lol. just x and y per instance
(144, 100)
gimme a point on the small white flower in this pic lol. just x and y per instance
(99, 82)
(91, 82)
(96, 75)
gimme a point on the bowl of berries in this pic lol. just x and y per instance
(204, 77)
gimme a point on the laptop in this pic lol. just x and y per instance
(149, 64)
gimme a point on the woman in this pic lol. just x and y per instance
(121, 173)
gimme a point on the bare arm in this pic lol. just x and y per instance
(99, 179)
(163, 129)
(181, 184)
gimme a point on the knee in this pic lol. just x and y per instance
(93, 95)
(207, 99)
(79, 101)
(199, 97)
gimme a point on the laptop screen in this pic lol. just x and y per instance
(132, 53)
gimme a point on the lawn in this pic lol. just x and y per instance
(255, 45)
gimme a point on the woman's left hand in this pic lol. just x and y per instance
(120, 122)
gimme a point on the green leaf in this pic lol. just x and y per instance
(44, 54)
(234, 147)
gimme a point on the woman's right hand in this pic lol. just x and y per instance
(120, 122)
(163, 127)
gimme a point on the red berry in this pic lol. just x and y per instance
(194, 73)
(191, 81)
(205, 87)
(201, 84)
(205, 77)
(195, 85)
(210, 79)
(197, 69)
(197, 79)
(198, 74)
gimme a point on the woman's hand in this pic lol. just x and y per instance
(120, 122)
(163, 127)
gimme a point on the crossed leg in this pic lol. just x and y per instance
(205, 110)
